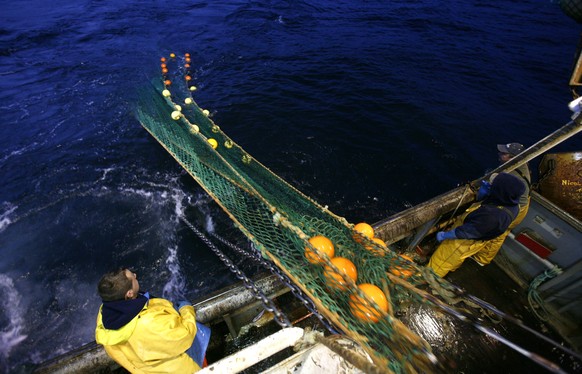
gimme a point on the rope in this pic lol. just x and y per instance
(467, 188)
(535, 301)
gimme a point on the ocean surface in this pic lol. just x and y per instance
(366, 106)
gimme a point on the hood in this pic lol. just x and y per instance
(121, 317)
(117, 314)
(112, 337)
(506, 190)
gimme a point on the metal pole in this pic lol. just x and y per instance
(403, 223)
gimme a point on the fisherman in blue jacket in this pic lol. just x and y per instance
(506, 153)
(481, 223)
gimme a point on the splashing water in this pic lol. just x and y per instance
(174, 288)
(11, 334)
(5, 220)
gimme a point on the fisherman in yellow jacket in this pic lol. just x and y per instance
(143, 334)
(481, 223)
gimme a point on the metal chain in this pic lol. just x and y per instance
(280, 318)
(257, 257)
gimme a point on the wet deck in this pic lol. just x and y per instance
(458, 345)
(465, 350)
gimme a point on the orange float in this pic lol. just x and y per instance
(334, 278)
(364, 310)
(163, 59)
(167, 82)
(365, 230)
(323, 245)
(188, 77)
(403, 271)
(374, 250)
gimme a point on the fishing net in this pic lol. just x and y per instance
(280, 220)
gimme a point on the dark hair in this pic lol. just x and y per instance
(114, 285)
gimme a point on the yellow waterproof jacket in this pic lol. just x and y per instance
(155, 341)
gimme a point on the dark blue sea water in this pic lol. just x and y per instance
(367, 106)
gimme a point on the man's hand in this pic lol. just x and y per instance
(484, 190)
(444, 235)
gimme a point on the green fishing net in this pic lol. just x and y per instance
(280, 220)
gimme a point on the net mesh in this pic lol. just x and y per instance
(279, 220)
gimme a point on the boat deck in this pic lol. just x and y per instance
(458, 345)
(476, 352)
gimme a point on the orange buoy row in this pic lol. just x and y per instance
(164, 68)
(367, 231)
(188, 75)
(360, 307)
(343, 266)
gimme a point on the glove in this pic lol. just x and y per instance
(182, 304)
(444, 235)
(484, 190)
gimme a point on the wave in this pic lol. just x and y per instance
(5, 216)
(10, 335)
(19, 151)
(175, 288)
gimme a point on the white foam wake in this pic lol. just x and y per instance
(174, 288)
(5, 219)
(11, 335)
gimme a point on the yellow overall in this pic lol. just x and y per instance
(487, 254)
(450, 254)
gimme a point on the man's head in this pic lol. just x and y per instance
(509, 150)
(120, 284)
(506, 189)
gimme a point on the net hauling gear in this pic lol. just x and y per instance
(280, 220)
